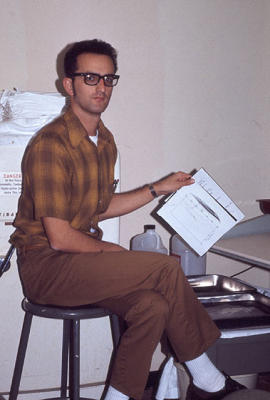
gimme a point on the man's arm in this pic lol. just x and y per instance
(124, 203)
(63, 237)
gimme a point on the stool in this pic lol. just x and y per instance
(70, 346)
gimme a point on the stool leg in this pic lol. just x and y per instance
(20, 356)
(65, 349)
(74, 359)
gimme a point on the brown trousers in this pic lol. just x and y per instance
(148, 290)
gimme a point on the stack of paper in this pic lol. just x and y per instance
(200, 213)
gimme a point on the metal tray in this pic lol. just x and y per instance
(230, 302)
(238, 310)
(218, 285)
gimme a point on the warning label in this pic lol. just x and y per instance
(10, 190)
(10, 183)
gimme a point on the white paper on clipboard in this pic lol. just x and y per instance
(201, 213)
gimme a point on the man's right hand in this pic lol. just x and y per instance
(63, 237)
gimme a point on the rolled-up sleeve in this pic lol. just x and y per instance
(47, 171)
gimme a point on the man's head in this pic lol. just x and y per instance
(94, 46)
(90, 68)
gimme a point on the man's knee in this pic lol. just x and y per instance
(175, 269)
(150, 304)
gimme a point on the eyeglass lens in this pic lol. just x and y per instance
(93, 79)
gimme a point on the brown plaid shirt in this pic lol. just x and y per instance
(65, 176)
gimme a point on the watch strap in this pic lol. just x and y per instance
(152, 190)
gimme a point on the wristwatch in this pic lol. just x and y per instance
(152, 190)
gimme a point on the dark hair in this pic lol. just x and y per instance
(94, 46)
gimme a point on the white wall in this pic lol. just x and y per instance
(194, 87)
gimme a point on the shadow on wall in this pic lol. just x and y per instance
(60, 70)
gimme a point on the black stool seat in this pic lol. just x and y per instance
(71, 317)
(48, 311)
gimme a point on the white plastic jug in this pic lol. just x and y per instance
(191, 263)
(148, 241)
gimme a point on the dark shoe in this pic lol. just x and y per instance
(194, 393)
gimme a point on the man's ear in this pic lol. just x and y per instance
(68, 86)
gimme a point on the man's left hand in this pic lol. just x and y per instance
(172, 183)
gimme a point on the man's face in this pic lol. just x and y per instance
(91, 99)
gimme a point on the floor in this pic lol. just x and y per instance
(149, 394)
(263, 384)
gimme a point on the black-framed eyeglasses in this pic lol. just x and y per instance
(93, 79)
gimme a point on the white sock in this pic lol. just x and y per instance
(114, 394)
(205, 375)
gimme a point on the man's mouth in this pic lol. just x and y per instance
(100, 98)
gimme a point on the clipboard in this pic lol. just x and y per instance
(200, 213)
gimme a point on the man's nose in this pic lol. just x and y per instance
(101, 86)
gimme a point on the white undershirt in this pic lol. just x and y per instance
(94, 138)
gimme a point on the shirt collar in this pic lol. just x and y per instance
(77, 132)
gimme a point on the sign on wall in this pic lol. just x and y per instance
(10, 189)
